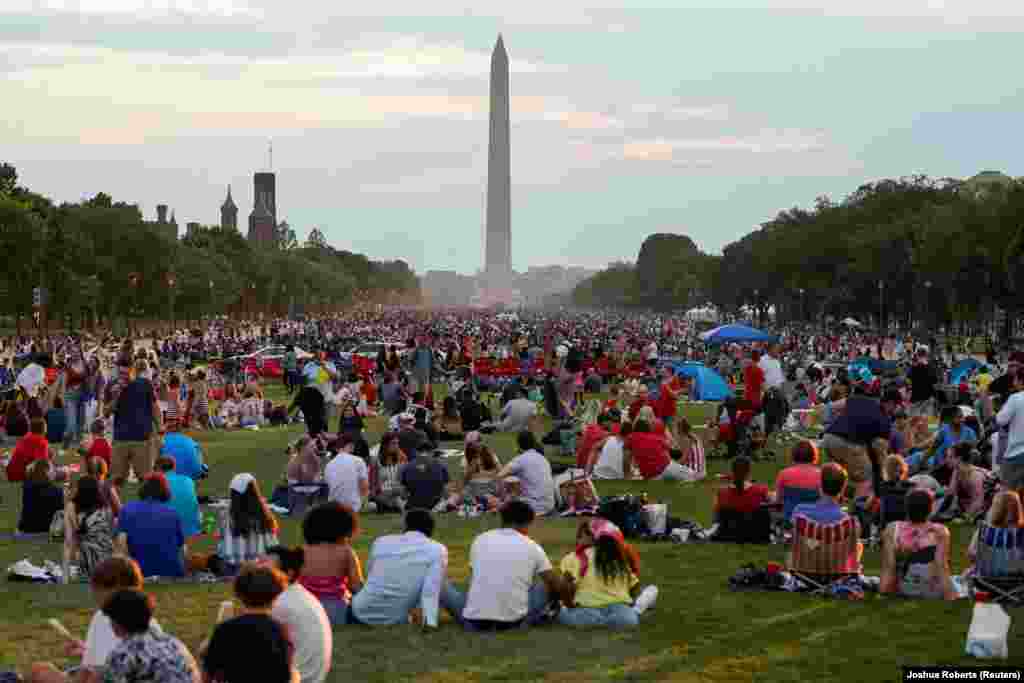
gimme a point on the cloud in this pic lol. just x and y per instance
(134, 8)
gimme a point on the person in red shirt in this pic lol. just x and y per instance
(667, 397)
(650, 452)
(31, 447)
(592, 435)
(741, 496)
(753, 381)
(100, 447)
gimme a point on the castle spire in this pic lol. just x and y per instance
(229, 203)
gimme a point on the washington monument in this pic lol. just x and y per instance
(498, 260)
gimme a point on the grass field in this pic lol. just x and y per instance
(699, 630)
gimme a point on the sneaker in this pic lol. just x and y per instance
(646, 599)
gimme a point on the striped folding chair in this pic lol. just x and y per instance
(824, 553)
(999, 564)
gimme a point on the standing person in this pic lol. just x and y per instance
(290, 367)
(665, 409)
(1010, 419)
(858, 438)
(922, 385)
(311, 402)
(505, 564)
(136, 414)
(753, 381)
(422, 365)
(774, 378)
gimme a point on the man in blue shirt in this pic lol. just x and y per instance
(405, 571)
(827, 509)
(184, 450)
(859, 436)
(136, 413)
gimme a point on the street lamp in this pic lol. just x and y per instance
(928, 301)
(881, 305)
(803, 316)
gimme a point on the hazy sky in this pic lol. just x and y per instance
(703, 118)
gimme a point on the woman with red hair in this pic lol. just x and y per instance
(602, 579)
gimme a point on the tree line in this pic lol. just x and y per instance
(100, 261)
(908, 251)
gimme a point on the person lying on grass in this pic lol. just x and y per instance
(116, 573)
(601, 580)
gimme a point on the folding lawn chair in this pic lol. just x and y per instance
(999, 565)
(824, 553)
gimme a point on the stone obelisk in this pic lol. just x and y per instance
(498, 259)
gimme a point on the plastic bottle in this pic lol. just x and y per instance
(986, 637)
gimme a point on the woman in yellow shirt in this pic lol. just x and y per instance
(602, 580)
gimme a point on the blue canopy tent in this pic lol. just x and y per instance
(963, 369)
(725, 334)
(708, 385)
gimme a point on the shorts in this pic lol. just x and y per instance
(853, 457)
(1011, 473)
(137, 455)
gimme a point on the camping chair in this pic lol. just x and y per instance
(999, 566)
(823, 554)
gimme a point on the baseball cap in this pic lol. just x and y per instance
(240, 482)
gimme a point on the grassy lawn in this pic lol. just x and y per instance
(699, 631)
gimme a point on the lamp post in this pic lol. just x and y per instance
(134, 279)
(803, 316)
(928, 301)
(881, 306)
(172, 282)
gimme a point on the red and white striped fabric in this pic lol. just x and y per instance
(694, 459)
(825, 549)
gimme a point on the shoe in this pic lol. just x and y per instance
(646, 599)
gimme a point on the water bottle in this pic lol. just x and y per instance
(986, 637)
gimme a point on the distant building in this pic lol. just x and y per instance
(168, 229)
(263, 219)
(191, 228)
(443, 288)
(229, 212)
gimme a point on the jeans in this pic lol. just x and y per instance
(337, 611)
(453, 600)
(612, 616)
(74, 414)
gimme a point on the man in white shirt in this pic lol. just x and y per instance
(505, 563)
(348, 481)
(772, 368)
(1011, 424)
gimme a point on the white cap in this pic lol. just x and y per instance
(240, 482)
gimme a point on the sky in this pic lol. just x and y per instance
(699, 118)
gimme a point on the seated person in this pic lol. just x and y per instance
(966, 491)
(406, 574)
(88, 523)
(424, 479)
(332, 571)
(40, 499)
(250, 412)
(95, 444)
(803, 475)
(386, 489)
(505, 563)
(915, 553)
(1006, 512)
(150, 531)
(593, 435)
(304, 617)
(350, 422)
(607, 458)
(449, 423)
(112, 575)
(828, 511)
(228, 413)
(143, 650)
(183, 496)
(305, 466)
(31, 447)
(247, 526)
(602, 584)
(537, 485)
(650, 452)
(480, 482)
(412, 439)
(952, 431)
(187, 456)
(253, 645)
(739, 509)
(517, 414)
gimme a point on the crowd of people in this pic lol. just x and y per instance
(121, 408)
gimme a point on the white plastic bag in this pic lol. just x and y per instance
(656, 517)
(986, 638)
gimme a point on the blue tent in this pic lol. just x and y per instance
(708, 385)
(735, 333)
(963, 369)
